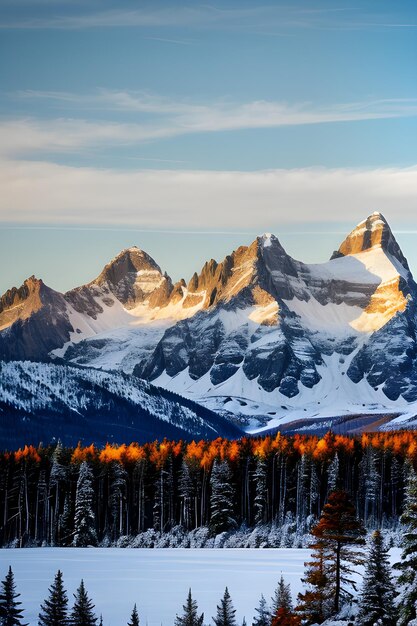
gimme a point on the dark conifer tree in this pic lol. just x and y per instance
(282, 597)
(261, 491)
(134, 618)
(10, 613)
(222, 511)
(54, 610)
(282, 608)
(225, 615)
(82, 613)
(84, 523)
(376, 602)
(190, 616)
(263, 617)
(408, 565)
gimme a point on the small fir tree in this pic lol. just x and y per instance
(263, 617)
(134, 618)
(190, 616)
(282, 597)
(225, 615)
(376, 602)
(82, 613)
(54, 610)
(222, 511)
(315, 603)
(10, 613)
(408, 564)
(282, 607)
(84, 523)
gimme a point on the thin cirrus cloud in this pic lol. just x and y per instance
(160, 118)
(46, 193)
(253, 19)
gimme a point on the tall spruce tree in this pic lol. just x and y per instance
(225, 615)
(337, 534)
(82, 613)
(408, 564)
(10, 613)
(134, 618)
(263, 617)
(190, 616)
(84, 522)
(54, 610)
(376, 601)
(222, 509)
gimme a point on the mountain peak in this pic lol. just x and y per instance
(373, 232)
(132, 276)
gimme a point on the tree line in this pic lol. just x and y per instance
(85, 495)
(329, 589)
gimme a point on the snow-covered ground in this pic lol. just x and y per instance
(157, 580)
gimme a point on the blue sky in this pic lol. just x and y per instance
(187, 129)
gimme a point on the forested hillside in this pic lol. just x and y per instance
(87, 496)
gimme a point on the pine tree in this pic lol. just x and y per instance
(282, 597)
(333, 474)
(117, 497)
(82, 613)
(190, 615)
(282, 608)
(84, 522)
(408, 565)
(377, 596)
(222, 516)
(54, 611)
(65, 523)
(134, 618)
(10, 614)
(185, 490)
(315, 603)
(225, 615)
(261, 491)
(336, 533)
(264, 616)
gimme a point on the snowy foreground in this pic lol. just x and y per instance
(157, 580)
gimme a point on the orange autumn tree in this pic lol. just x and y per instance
(334, 555)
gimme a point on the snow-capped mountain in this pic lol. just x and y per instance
(44, 401)
(259, 336)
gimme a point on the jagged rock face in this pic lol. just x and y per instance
(259, 326)
(19, 304)
(33, 321)
(262, 313)
(371, 233)
(36, 320)
(133, 277)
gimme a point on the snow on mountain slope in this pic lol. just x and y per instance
(259, 336)
(41, 402)
(320, 339)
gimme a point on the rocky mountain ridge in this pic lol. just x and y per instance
(259, 336)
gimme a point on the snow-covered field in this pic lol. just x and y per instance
(157, 580)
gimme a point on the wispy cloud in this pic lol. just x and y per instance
(161, 118)
(276, 18)
(46, 193)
